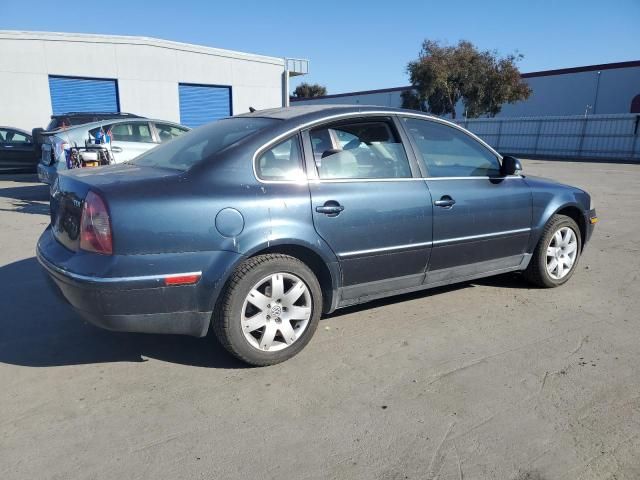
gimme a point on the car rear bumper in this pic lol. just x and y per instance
(136, 303)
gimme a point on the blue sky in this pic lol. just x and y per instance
(358, 45)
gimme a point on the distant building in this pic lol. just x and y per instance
(45, 73)
(607, 88)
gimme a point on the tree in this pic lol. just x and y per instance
(443, 75)
(307, 90)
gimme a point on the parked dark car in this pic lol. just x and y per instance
(17, 153)
(257, 224)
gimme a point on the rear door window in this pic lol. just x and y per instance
(14, 137)
(138, 132)
(168, 132)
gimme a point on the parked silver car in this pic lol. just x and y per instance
(129, 138)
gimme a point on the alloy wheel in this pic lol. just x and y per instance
(562, 252)
(276, 312)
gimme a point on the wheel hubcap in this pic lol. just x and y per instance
(276, 312)
(561, 253)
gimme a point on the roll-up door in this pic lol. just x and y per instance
(200, 104)
(75, 94)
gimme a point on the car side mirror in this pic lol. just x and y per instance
(510, 166)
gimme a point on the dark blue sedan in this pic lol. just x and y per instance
(258, 224)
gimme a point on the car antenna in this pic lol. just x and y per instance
(251, 109)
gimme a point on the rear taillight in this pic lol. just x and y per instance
(95, 226)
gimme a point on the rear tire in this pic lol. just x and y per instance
(556, 256)
(269, 310)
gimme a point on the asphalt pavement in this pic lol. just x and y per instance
(491, 379)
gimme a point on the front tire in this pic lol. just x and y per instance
(556, 256)
(269, 310)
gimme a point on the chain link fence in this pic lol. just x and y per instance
(606, 137)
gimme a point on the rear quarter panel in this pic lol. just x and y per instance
(173, 211)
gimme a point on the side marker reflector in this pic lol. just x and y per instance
(188, 279)
(593, 220)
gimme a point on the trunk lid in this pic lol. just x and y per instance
(71, 188)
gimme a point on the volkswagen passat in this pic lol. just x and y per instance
(258, 224)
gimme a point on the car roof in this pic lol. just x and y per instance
(295, 117)
(24, 132)
(97, 114)
(311, 112)
(305, 114)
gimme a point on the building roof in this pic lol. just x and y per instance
(541, 73)
(131, 40)
(586, 68)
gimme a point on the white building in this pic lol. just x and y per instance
(594, 89)
(46, 73)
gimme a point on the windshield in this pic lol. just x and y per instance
(184, 152)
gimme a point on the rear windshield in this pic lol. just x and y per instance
(185, 151)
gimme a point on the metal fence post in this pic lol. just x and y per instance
(535, 147)
(635, 138)
(581, 141)
(499, 135)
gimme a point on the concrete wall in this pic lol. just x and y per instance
(148, 72)
(564, 94)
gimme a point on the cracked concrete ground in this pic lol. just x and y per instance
(490, 379)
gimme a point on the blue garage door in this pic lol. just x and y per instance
(70, 94)
(200, 104)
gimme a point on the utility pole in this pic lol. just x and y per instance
(595, 100)
(285, 84)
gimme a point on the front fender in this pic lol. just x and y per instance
(548, 199)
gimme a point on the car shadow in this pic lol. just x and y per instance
(31, 199)
(506, 280)
(39, 330)
(405, 297)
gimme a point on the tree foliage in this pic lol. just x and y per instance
(443, 75)
(308, 90)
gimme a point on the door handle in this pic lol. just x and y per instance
(116, 149)
(330, 208)
(445, 201)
